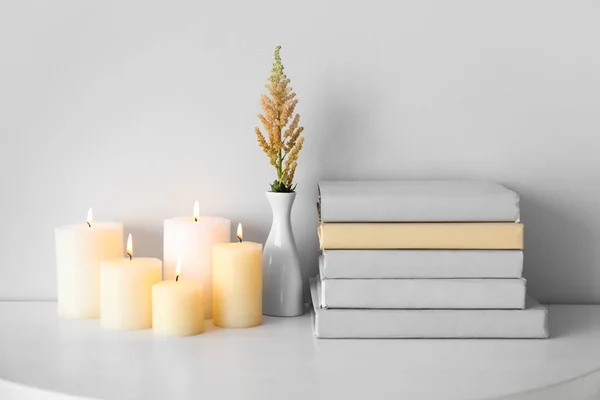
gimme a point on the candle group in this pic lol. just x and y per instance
(222, 280)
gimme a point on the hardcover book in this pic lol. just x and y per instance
(532, 322)
(399, 235)
(423, 293)
(417, 201)
(390, 264)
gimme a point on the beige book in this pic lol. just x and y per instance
(447, 235)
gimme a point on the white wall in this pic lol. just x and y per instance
(138, 108)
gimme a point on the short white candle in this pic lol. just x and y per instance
(126, 291)
(79, 251)
(192, 239)
(237, 284)
(177, 307)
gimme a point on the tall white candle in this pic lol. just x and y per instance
(192, 239)
(126, 291)
(79, 251)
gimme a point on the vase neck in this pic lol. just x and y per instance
(281, 205)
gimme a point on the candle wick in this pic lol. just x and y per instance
(130, 256)
(89, 225)
(195, 219)
(241, 240)
(177, 278)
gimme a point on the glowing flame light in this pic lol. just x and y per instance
(88, 221)
(130, 247)
(178, 269)
(240, 235)
(196, 211)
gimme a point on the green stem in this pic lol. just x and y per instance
(279, 166)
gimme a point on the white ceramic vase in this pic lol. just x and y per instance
(282, 277)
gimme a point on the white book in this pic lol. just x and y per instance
(532, 322)
(423, 293)
(417, 201)
(388, 264)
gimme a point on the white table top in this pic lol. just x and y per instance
(42, 354)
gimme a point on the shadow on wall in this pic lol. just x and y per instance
(559, 249)
(330, 154)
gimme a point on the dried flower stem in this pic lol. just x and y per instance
(282, 142)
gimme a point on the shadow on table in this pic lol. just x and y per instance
(572, 320)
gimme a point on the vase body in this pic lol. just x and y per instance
(282, 277)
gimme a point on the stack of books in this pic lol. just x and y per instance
(422, 259)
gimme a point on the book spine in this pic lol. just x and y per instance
(423, 293)
(359, 207)
(390, 324)
(394, 264)
(456, 236)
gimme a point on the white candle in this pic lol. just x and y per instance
(237, 284)
(192, 239)
(177, 307)
(79, 251)
(126, 291)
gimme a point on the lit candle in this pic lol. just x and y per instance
(192, 238)
(79, 251)
(178, 306)
(237, 284)
(126, 291)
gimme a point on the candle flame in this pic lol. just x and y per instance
(196, 211)
(130, 247)
(88, 221)
(240, 235)
(178, 269)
